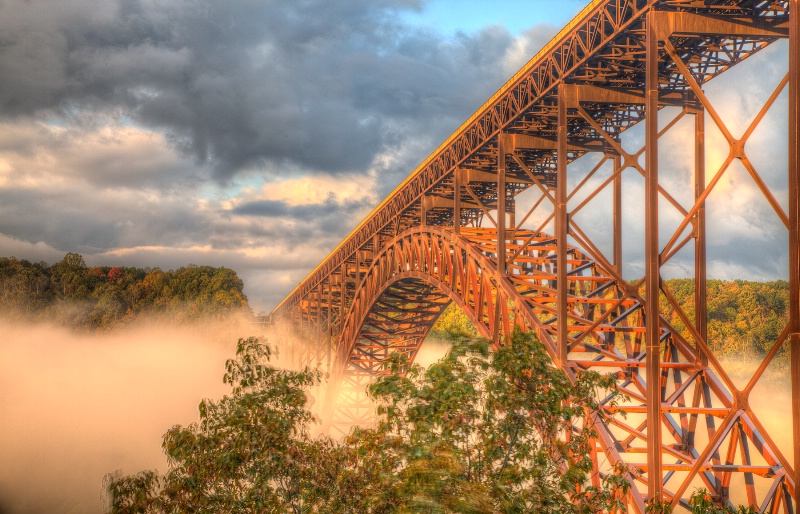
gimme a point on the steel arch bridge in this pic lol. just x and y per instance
(455, 231)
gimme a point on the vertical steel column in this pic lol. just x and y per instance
(652, 282)
(457, 200)
(501, 227)
(618, 215)
(301, 350)
(501, 205)
(298, 337)
(341, 312)
(794, 228)
(330, 324)
(512, 215)
(561, 231)
(345, 292)
(358, 270)
(318, 352)
(700, 287)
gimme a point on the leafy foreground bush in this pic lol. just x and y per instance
(701, 503)
(479, 431)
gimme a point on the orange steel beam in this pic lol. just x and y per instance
(794, 228)
(618, 63)
(652, 264)
(561, 229)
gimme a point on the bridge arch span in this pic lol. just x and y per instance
(410, 282)
(420, 271)
(463, 268)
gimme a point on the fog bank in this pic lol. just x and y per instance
(74, 407)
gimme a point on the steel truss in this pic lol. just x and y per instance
(435, 240)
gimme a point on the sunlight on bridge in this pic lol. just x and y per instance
(618, 131)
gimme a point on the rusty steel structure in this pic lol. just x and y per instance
(453, 232)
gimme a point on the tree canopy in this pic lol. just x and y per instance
(103, 297)
(479, 431)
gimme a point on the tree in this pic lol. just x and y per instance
(115, 274)
(248, 453)
(484, 431)
(452, 322)
(73, 262)
(70, 275)
(24, 287)
(480, 431)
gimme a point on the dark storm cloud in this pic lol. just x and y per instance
(271, 208)
(316, 84)
(307, 212)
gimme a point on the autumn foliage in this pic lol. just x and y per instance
(105, 297)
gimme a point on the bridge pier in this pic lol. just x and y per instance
(794, 229)
(562, 229)
(652, 257)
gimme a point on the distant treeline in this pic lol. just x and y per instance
(103, 297)
(744, 318)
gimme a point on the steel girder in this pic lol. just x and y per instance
(618, 63)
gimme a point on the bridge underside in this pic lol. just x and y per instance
(519, 218)
(398, 320)
(711, 436)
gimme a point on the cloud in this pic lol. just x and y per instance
(38, 155)
(278, 209)
(85, 220)
(256, 135)
(238, 85)
(210, 130)
(32, 251)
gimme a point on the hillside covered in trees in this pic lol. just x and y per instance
(104, 297)
(744, 318)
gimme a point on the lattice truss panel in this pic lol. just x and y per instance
(435, 240)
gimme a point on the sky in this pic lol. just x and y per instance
(252, 134)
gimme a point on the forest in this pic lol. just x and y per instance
(106, 297)
(744, 318)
